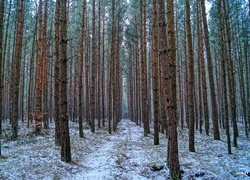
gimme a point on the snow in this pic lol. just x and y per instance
(125, 155)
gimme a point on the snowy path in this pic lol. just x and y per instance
(125, 155)
(120, 156)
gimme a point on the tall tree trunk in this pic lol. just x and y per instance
(144, 70)
(111, 69)
(199, 68)
(45, 79)
(155, 75)
(30, 101)
(117, 70)
(103, 65)
(98, 106)
(78, 74)
(186, 77)
(131, 95)
(87, 104)
(22, 84)
(203, 78)
(146, 117)
(16, 71)
(210, 73)
(242, 83)
(190, 79)
(163, 56)
(4, 51)
(232, 87)
(225, 75)
(56, 75)
(114, 52)
(137, 78)
(82, 41)
(65, 139)
(226, 106)
(93, 72)
(1, 64)
(38, 104)
(8, 81)
(173, 157)
(1, 67)
(51, 66)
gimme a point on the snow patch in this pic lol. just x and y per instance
(126, 154)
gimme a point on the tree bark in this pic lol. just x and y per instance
(1, 64)
(103, 66)
(173, 157)
(16, 71)
(225, 80)
(163, 57)
(99, 67)
(45, 79)
(38, 104)
(65, 139)
(56, 75)
(1, 67)
(82, 41)
(30, 101)
(210, 73)
(93, 75)
(144, 70)
(203, 78)
(87, 74)
(190, 79)
(155, 75)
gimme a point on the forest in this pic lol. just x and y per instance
(125, 89)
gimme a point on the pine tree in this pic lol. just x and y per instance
(163, 56)
(38, 105)
(210, 73)
(63, 118)
(15, 75)
(82, 50)
(93, 72)
(173, 157)
(56, 75)
(1, 63)
(155, 75)
(44, 75)
(144, 68)
(1, 67)
(190, 79)
(203, 79)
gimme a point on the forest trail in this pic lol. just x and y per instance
(124, 155)
(120, 156)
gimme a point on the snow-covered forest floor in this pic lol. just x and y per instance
(125, 155)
